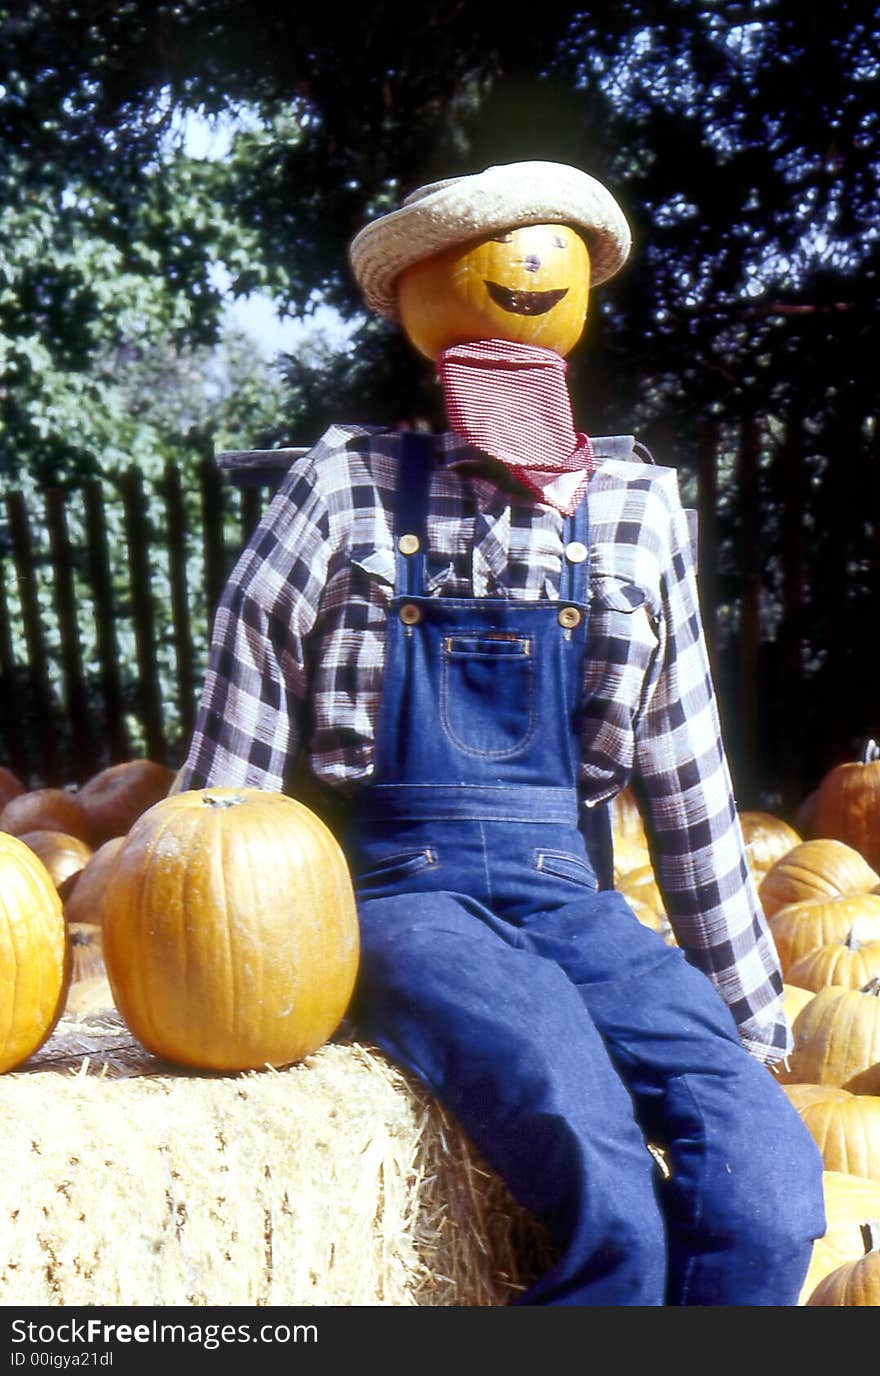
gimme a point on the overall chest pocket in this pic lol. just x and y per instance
(487, 692)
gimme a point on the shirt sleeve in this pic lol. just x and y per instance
(249, 722)
(682, 780)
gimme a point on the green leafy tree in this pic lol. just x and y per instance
(741, 139)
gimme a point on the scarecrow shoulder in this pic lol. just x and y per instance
(347, 458)
(633, 475)
(641, 503)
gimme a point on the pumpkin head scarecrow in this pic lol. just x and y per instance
(474, 640)
(490, 277)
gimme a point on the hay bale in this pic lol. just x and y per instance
(338, 1181)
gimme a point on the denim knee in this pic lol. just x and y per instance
(748, 1205)
(767, 1195)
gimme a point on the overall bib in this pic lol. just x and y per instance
(558, 1029)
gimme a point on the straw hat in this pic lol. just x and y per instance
(460, 209)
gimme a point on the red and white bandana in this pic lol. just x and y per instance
(511, 401)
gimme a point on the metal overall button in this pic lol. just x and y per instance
(569, 617)
(408, 544)
(575, 552)
(410, 614)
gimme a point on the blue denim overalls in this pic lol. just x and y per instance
(558, 1029)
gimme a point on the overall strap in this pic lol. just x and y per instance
(575, 574)
(415, 462)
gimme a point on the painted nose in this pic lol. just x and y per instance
(531, 262)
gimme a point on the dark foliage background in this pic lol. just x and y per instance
(742, 140)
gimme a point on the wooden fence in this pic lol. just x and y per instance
(86, 619)
(106, 595)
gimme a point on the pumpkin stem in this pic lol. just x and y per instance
(211, 800)
(860, 933)
(871, 752)
(870, 1235)
(872, 987)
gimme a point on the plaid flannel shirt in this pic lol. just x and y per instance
(298, 650)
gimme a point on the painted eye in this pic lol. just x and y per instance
(557, 242)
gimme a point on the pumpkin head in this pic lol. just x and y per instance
(34, 953)
(530, 285)
(230, 932)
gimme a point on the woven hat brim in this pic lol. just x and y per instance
(462, 209)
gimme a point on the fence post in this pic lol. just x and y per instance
(180, 611)
(101, 584)
(41, 696)
(81, 731)
(12, 700)
(148, 693)
(212, 532)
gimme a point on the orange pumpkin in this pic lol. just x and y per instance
(794, 999)
(87, 956)
(115, 797)
(855, 1283)
(34, 953)
(767, 838)
(845, 1128)
(626, 819)
(62, 854)
(837, 1040)
(44, 809)
(847, 804)
(799, 928)
(816, 869)
(642, 883)
(850, 1202)
(230, 930)
(850, 963)
(804, 1093)
(530, 285)
(653, 917)
(628, 857)
(84, 897)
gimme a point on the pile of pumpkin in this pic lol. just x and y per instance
(819, 885)
(220, 922)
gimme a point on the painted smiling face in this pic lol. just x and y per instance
(529, 284)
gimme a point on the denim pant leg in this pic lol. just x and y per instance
(503, 1039)
(744, 1202)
